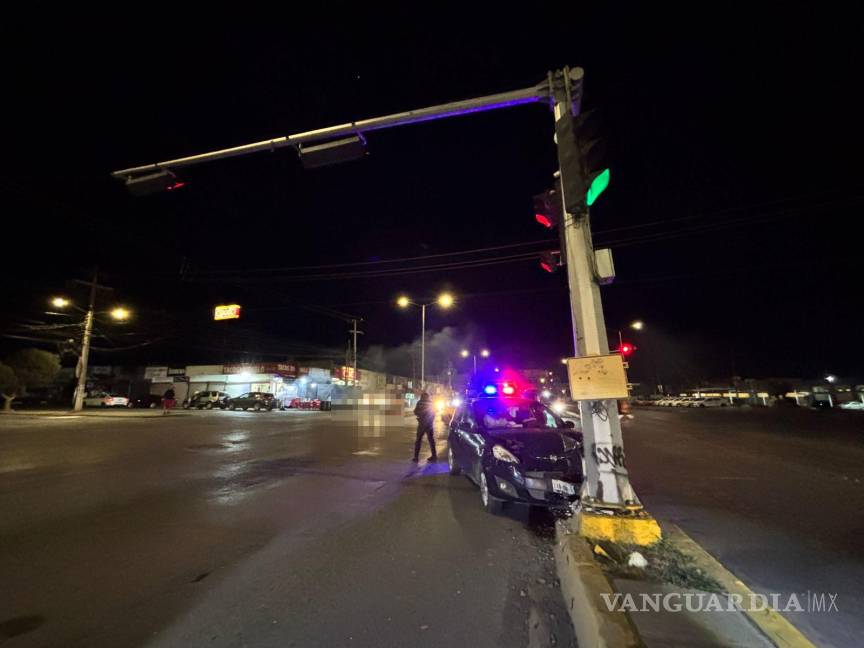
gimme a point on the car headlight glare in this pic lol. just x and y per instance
(503, 454)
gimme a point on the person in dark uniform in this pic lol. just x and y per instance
(425, 413)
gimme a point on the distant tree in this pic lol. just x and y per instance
(26, 368)
(9, 385)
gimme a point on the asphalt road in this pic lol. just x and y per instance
(244, 529)
(777, 495)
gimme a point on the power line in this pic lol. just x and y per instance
(383, 261)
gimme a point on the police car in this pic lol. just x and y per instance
(515, 449)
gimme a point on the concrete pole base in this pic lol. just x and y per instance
(624, 528)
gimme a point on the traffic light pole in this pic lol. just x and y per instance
(610, 508)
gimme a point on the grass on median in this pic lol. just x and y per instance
(666, 564)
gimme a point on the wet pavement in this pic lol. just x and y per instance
(271, 529)
(777, 495)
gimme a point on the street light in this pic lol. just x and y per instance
(830, 378)
(120, 314)
(638, 325)
(484, 353)
(444, 300)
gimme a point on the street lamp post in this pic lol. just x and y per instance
(484, 353)
(119, 313)
(445, 300)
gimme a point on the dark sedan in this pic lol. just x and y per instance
(151, 401)
(516, 450)
(256, 400)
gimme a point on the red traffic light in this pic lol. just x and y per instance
(626, 349)
(547, 211)
(550, 261)
(544, 220)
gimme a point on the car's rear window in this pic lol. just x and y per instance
(496, 413)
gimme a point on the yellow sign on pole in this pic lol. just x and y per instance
(597, 377)
(227, 311)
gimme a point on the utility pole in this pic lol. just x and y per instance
(354, 332)
(84, 358)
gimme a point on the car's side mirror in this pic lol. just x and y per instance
(569, 424)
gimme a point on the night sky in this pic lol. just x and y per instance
(734, 211)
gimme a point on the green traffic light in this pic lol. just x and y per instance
(598, 186)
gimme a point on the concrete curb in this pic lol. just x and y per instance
(582, 583)
(122, 414)
(769, 622)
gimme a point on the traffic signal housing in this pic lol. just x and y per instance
(547, 209)
(550, 261)
(549, 212)
(152, 183)
(582, 157)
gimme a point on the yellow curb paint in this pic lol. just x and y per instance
(642, 530)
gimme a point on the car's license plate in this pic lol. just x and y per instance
(563, 487)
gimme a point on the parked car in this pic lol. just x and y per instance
(256, 400)
(32, 400)
(710, 401)
(147, 400)
(852, 405)
(516, 450)
(104, 399)
(208, 400)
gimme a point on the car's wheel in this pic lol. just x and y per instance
(208, 406)
(491, 504)
(232, 407)
(451, 463)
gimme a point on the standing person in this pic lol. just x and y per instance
(168, 401)
(425, 413)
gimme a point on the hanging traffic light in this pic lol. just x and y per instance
(550, 261)
(152, 183)
(547, 209)
(581, 151)
(333, 152)
(626, 349)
